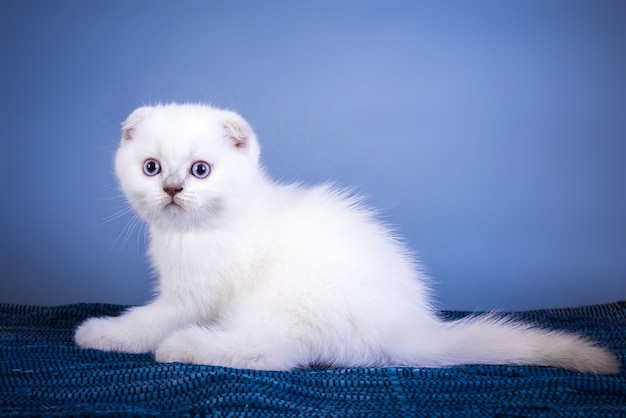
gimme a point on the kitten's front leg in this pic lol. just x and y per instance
(138, 330)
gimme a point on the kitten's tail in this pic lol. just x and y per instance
(489, 339)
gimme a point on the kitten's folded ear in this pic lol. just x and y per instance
(129, 125)
(239, 133)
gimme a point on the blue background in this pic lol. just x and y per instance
(492, 133)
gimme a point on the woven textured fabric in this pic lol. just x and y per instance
(43, 373)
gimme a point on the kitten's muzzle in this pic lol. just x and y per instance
(172, 190)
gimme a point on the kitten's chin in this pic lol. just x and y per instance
(174, 216)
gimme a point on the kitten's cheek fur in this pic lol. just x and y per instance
(108, 334)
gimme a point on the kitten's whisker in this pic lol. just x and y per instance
(144, 227)
(119, 236)
(116, 215)
(142, 232)
(119, 197)
(126, 232)
(135, 228)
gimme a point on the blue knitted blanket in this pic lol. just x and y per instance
(42, 373)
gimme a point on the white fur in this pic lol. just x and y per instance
(253, 274)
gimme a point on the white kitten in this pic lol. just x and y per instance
(254, 274)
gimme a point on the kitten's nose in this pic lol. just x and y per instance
(172, 190)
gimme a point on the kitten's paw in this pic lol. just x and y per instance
(180, 347)
(107, 335)
(201, 346)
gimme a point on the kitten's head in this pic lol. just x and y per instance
(186, 166)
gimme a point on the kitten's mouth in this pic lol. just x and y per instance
(173, 205)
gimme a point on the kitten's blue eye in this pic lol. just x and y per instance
(200, 169)
(151, 167)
